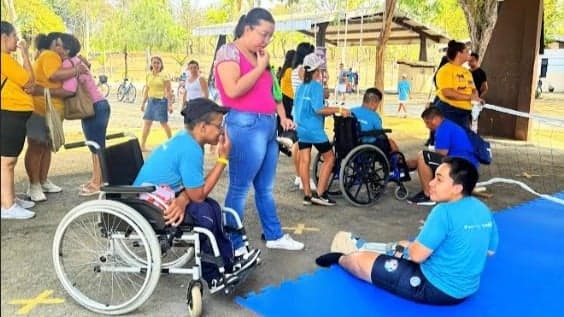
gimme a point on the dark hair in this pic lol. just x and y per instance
(41, 42)
(51, 37)
(252, 18)
(454, 48)
(442, 63)
(6, 27)
(159, 59)
(71, 43)
(288, 59)
(302, 50)
(462, 173)
(193, 62)
(475, 55)
(431, 112)
(371, 94)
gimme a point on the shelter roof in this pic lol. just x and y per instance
(353, 27)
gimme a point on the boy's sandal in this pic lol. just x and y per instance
(89, 190)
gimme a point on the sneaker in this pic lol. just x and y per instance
(49, 187)
(298, 182)
(421, 199)
(241, 251)
(285, 243)
(16, 212)
(285, 141)
(218, 284)
(346, 243)
(35, 193)
(245, 261)
(323, 200)
(26, 204)
(312, 185)
(306, 201)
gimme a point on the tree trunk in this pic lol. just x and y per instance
(387, 18)
(11, 10)
(481, 16)
(125, 59)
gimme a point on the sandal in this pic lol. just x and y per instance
(89, 190)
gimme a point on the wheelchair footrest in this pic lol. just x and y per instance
(217, 260)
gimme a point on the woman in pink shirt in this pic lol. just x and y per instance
(244, 82)
(94, 128)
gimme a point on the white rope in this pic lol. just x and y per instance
(522, 185)
(556, 121)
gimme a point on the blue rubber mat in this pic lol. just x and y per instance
(524, 278)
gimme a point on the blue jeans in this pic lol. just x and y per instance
(252, 161)
(94, 128)
(456, 115)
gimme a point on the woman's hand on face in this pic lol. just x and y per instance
(23, 46)
(263, 58)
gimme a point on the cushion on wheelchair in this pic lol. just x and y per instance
(120, 163)
(346, 131)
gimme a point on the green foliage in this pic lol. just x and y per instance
(553, 19)
(35, 16)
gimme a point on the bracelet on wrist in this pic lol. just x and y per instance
(222, 160)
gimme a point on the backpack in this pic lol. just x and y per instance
(482, 148)
(346, 134)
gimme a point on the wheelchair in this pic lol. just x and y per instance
(109, 253)
(362, 170)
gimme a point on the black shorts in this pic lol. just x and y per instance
(404, 278)
(432, 159)
(13, 131)
(321, 147)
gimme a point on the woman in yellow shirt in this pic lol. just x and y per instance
(455, 86)
(157, 96)
(16, 107)
(49, 74)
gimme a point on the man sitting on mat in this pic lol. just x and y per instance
(442, 266)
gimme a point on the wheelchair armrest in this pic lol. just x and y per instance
(377, 132)
(127, 189)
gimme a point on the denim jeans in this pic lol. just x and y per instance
(459, 116)
(252, 161)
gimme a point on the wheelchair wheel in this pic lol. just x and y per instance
(364, 174)
(132, 251)
(401, 192)
(194, 297)
(121, 92)
(131, 94)
(86, 262)
(333, 186)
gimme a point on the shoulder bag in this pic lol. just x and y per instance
(80, 105)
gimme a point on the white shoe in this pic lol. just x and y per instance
(312, 184)
(17, 212)
(241, 251)
(26, 204)
(298, 182)
(49, 187)
(285, 243)
(35, 193)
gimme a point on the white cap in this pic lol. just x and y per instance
(312, 62)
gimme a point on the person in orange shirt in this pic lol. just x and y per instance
(16, 108)
(49, 74)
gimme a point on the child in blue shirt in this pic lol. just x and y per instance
(404, 89)
(309, 113)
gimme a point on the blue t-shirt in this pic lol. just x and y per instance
(369, 120)
(460, 233)
(307, 102)
(404, 88)
(179, 163)
(451, 137)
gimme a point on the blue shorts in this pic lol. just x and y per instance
(156, 110)
(94, 128)
(404, 278)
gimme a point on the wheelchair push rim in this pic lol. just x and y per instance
(87, 265)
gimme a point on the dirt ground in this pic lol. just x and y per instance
(27, 268)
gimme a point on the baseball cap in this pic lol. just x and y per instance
(199, 107)
(312, 62)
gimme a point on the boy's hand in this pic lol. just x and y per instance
(224, 145)
(287, 124)
(174, 213)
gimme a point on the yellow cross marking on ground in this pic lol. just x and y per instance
(300, 228)
(30, 303)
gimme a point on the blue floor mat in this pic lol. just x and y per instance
(524, 278)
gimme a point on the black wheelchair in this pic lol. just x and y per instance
(362, 170)
(109, 253)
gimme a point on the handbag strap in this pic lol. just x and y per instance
(48, 101)
(3, 82)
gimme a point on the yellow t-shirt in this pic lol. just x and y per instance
(458, 78)
(286, 83)
(45, 66)
(14, 98)
(156, 85)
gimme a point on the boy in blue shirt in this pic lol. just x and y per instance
(404, 89)
(179, 163)
(450, 140)
(442, 266)
(309, 113)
